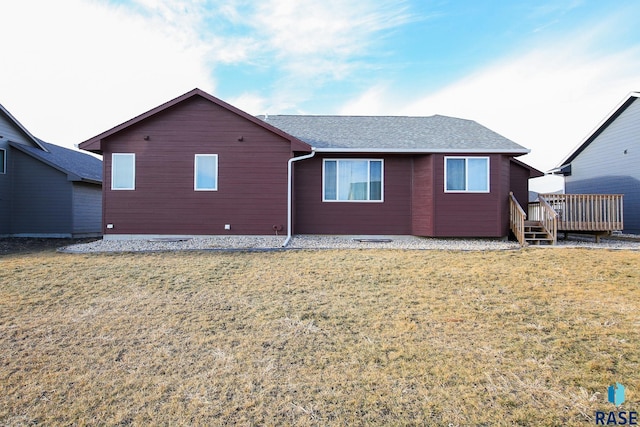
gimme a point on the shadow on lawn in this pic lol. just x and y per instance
(16, 245)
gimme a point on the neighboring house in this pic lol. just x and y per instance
(46, 190)
(199, 166)
(607, 161)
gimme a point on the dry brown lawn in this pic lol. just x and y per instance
(359, 337)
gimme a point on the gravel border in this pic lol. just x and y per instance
(272, 243)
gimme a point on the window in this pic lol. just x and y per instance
(205, 172)
(123, 171)
(466, 174)
(3, 161)
(352, 180)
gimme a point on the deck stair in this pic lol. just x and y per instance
(535, 233)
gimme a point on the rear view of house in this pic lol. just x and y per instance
(46, 190)
(199, 166)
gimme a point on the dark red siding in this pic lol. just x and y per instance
(472, 214)
(414, 201)
(519, 176)
(252, 174)
(422, 207)
(393, 216)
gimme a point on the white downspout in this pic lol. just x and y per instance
(290, 192)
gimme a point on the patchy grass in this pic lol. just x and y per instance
(359, 337)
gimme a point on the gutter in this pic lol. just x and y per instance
(514, 151)
(290, 192)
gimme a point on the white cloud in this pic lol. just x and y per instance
(331, 28)
(373, 102)
(251, 103)
(77, 68)
(547, 99)
(312, 42)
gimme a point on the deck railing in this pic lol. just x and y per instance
(517, 217)
(583, 212)
(548, 216)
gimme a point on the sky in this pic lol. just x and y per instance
(542, 73)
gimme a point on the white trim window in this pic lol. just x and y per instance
(123, 171)
(466, 174)
(3, 161)
(353, 180)
(205, 172)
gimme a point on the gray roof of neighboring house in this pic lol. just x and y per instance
(79, 166)
(393, 134)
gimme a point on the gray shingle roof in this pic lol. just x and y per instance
(79, 165)
(393, 133)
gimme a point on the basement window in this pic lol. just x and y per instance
(466, 174)
(123, 171)
(352, 180)
(205, 172)
(3, 161)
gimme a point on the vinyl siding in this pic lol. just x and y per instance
(519, 178)
(392, 216)
(422, 207)
(10, 132)
(5, 192)
(603, 167)
(87, 209)
(39, 209)
(472, 214)
(414, 201)
(252, 175)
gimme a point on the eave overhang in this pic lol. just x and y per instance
(95, 144)
(610, 118)
(514, 152)
(23, 129)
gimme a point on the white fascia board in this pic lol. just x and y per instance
(421, 151)
(597, 128)
(23, 129)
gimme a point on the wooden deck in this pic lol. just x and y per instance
(585, 213)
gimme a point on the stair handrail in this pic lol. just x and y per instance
(549, 218)
(517, 217)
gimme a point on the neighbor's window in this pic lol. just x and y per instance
(466, 174)
(206, 172)
(3, 161)
(352, 180)
(123, 171)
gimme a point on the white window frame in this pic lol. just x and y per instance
(3, 165)
(368, 200)
(466, 174)
(195, 172)
(133, 172)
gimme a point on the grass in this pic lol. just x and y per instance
(360, 337)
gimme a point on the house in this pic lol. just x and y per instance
(607, 161)
(199, 166)
(46, 190)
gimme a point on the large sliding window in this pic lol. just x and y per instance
(352, 180)
(205, 172)
(3, 161)
(466, 174)
(123, 171)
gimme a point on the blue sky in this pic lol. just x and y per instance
(542, 73)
